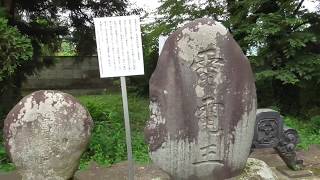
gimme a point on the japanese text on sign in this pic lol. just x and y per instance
(119, 46)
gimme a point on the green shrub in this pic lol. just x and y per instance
(5, 164)
(315, 121)
(15, 49)
(308, 130)
(108, 145)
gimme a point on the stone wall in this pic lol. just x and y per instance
(71, 74)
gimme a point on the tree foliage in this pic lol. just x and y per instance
(285, 40)
(280, 37)
(284, 36)
(15, 50)
(46, 21)
(45, 24)
(67, 48)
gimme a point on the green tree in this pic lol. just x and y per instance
(287, 43)
(46, 23)
(67, 49)
(281, 37)
(15, 50)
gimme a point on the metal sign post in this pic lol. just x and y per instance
(119, 48)
(127, 126)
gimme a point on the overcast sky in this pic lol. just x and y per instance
(151, 5)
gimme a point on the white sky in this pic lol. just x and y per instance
(151, 5)
(148, 5)
(311, 5)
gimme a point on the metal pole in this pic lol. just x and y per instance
(127, 126)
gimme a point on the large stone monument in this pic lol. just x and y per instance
(203, 104)
(46, 134)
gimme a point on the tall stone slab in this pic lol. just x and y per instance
(45, 135)
(203, 104)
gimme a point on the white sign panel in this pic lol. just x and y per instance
(162, 40)
(119, 46)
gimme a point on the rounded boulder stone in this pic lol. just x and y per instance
(45, 135)
(203, 104)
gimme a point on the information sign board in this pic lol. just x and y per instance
(119, 46)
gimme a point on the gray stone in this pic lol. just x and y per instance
(45, 135)
(271, 132)
(294, 174)
(203, 104)
(268, 130)
(256, 170)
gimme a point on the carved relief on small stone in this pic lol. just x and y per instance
(268, 131)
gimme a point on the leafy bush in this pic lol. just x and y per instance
(315, 121)
(67, 48)
(108, 145)
(5, 164)
(15, 49)
(309, 132)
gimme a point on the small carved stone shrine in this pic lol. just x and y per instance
(270, 132)
(203, 104)
(45, 135)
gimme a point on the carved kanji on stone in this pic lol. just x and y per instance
(203, 104)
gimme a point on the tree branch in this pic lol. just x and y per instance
(299, 25)
(85, 16)
(215, 17)
(298, 7)
(34, 30)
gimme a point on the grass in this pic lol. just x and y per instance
(108, 145)
(309, 130)
(5, 164)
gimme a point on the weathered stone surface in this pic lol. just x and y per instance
(45, 135)
(203, 104)
(294, 174)
(256, 170)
